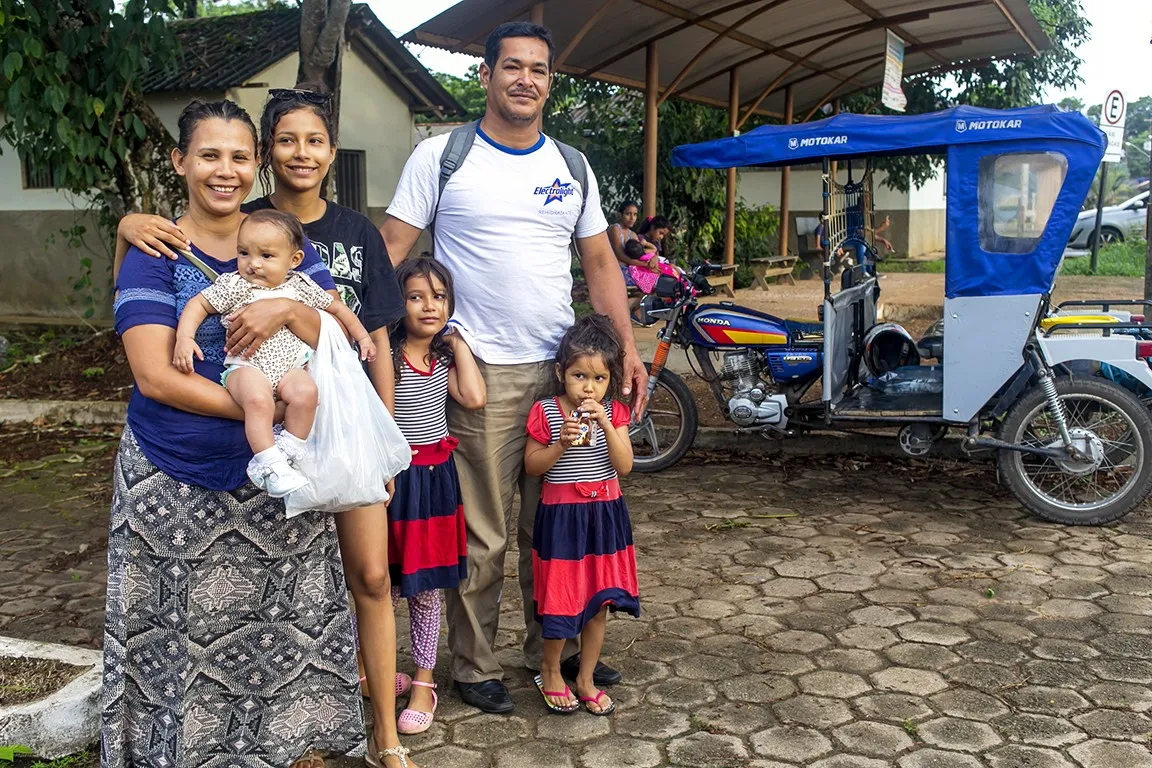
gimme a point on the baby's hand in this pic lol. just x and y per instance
(367, 348)
(182, 355)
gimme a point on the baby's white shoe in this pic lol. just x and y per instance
(270, 471)
(292, 446)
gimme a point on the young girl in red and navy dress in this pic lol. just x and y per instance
(583, 563)
(427, 540)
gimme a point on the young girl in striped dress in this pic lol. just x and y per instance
(583, 564)
(426, 541)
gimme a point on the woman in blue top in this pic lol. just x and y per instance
(228, 637)
(297, 148)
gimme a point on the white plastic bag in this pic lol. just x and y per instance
(355, 447)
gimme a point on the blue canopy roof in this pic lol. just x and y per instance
(847, 135)
(982, 260)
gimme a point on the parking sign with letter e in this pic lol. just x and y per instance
(1112, 115)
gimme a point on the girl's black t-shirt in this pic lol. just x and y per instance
(353, 249)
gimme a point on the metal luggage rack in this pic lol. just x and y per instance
(1106, 327)
(1105, 304)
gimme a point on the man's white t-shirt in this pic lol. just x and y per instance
(503, 228)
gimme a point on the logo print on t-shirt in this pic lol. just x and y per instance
(555, 192)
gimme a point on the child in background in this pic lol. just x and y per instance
(269, 247)
(583, 563)
(427, 540)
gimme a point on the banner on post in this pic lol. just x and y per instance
(893, 96)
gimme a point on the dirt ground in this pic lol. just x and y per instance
(63, 363)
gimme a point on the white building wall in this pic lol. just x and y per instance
(762, 187)
(931, 196)
(376, 118)
(13, 195)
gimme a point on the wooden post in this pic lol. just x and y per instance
(730, 202)
(1099, 217)
(651, 97)
(537, 14)
(835, 165)
(785, 179)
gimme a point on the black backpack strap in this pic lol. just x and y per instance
(459, 144)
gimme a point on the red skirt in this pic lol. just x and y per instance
(427, 541)
(582, 557)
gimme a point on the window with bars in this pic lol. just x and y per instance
(37, 175)
(352, 179)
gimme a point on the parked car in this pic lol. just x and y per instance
(1118, 222)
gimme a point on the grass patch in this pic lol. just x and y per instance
(1124, 259)
(934, 267)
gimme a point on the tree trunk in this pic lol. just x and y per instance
(190, 11)
(145, 180)
(322, 25)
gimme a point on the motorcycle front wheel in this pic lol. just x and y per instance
(1113, 432)
(668, 427)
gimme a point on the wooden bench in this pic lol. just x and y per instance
(779, 267)
(724, 280)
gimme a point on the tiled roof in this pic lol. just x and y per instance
(222, 52)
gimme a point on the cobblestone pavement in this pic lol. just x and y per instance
(833, 614)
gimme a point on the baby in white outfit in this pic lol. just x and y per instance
(269, 247)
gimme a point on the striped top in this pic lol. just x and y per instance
(580, 463)
(421, 397)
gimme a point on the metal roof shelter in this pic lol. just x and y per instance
(780, 58)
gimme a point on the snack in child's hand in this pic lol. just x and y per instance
(587, 434)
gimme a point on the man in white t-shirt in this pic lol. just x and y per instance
(503, 226)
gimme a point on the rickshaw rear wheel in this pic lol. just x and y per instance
(1114, 433)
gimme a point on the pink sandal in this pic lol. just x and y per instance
(587, 700)
(403, 683)
(413, 721)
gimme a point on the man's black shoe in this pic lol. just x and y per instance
(489, 696)
(602, 676)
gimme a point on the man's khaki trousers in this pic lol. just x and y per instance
(490, 460)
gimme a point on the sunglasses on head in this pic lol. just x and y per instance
(295, 94)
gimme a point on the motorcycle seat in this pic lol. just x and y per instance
(801, 330)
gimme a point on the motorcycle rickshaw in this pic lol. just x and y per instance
(1055, 393)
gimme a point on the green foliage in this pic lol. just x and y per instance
(209, 8)
(8, 754)
(1071, 104)
(607, 124)
(71, 94)
(935, 267)
(466, 90)
(1118, 259)
(756, 228)
(78, 760)
(94, 372)
(71, 77)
